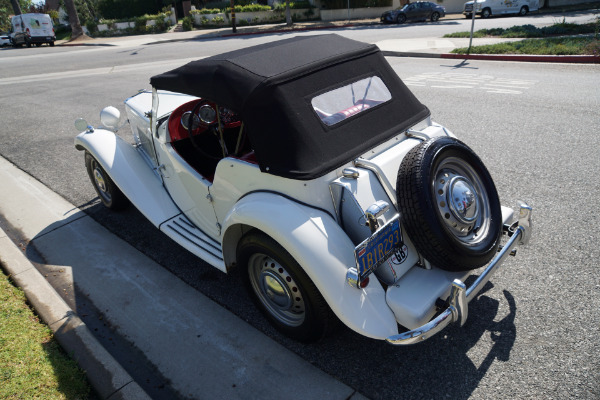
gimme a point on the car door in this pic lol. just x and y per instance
(411, 11)
(189, 189)
(425, 10)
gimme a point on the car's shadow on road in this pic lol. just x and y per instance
(451, 364)
(441, 367)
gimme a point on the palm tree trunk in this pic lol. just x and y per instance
(76, 29)
(16, 7)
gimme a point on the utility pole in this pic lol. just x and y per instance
(233, 16)
(472, 25)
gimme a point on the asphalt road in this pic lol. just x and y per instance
(533, 334)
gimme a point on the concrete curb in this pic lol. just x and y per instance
(104, 373)
(582, 59)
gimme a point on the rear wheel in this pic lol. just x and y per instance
(523, 11)
(486, 13)
(281, 289)
(110, 195)
(449, 204)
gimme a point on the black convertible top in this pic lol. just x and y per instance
(271, 86)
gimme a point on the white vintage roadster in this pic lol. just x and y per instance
(308, 164)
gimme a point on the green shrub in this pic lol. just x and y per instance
(251, 8)
(140, 24)
(206, 11)
(186, 23)
(294, 5)
(91, 26)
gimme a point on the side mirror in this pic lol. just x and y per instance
(110, 117)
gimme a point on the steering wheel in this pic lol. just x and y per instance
(202, 114)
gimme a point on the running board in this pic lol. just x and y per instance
(186, 234)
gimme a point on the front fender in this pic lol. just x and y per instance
(130, 172)
(321, 248)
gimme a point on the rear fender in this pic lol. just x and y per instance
(130, 172)
(321, 248)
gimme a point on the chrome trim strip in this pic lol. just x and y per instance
(417, 134)
(460, 297)
(387, 186)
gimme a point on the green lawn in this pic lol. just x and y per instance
(32, 364)
(559, 39)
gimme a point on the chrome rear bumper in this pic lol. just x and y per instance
(460, 295)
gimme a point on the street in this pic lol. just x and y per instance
(532, 334)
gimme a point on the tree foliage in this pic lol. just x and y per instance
(342, 4)
(6, 10)
(120, 9)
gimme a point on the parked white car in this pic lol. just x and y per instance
(487, 8)
(4, 39)
(309, 165)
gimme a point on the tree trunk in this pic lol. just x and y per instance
(288, 14)
(76, 29)
(16, 7)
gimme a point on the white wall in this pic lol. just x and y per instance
(452, 6)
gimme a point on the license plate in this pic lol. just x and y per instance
(373, 251)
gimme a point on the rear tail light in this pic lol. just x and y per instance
(27, 32)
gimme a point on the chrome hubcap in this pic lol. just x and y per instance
(462, 201)
(276, 289)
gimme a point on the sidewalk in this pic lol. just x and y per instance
(202, 349)
(432, 47)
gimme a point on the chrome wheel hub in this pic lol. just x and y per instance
(101, 183)
(276, 289)
(461, 200)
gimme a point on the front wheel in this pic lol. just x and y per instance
(281, 290)
(110, 195)
(435, 17)
(486, 13)
(400, 19)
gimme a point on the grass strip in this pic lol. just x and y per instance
(32, 363)
(530, 31)
(549, 46)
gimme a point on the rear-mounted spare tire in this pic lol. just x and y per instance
(449, 204)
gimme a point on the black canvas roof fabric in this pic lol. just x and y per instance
(271, 86)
